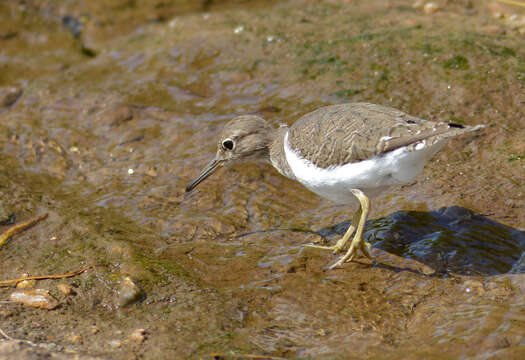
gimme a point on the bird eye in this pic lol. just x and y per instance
(228, 144)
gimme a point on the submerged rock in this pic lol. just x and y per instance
(39, 298)
(139, 335)
(129, 292)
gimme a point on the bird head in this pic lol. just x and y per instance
(244, 138)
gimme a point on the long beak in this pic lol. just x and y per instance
(207, 171)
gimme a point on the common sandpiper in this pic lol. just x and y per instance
(345, 153)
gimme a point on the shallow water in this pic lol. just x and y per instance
(118, 107)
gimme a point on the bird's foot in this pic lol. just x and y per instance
(365, 248)
(334, 248)
(352, 252)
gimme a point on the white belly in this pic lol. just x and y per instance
(371, 176)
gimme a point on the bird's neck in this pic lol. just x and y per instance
(277, 155)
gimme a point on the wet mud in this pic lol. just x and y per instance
(108, 109)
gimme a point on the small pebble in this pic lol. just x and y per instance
(26, 284)
(75, 338)
(115, 343)
(430, 8)
(239, 29)
(129, 292)
(39, 298)
(65, 289)
(138, 335)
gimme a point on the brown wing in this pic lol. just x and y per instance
(346, 133)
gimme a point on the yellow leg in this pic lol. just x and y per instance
(341, 242)
(358, 241)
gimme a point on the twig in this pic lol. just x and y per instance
(59, 276)
(20, 227)
(5, 335)
(512, 2)
(2, 332)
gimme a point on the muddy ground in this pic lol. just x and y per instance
(108, 108)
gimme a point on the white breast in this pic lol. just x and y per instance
(370, 176)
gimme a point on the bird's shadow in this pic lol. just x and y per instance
(449, 240)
